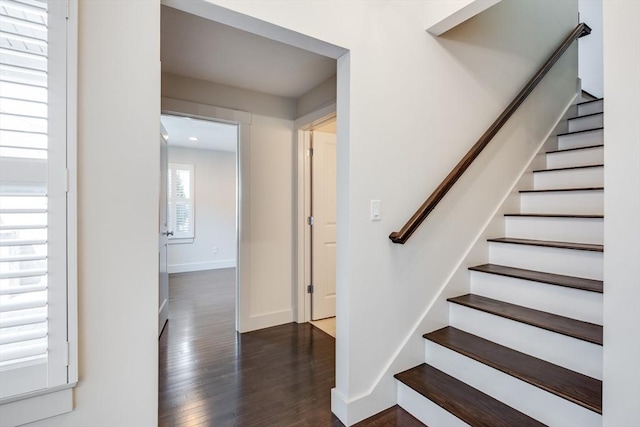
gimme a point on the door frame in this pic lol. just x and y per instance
(163, 236)
(242, 120)
(302, 262)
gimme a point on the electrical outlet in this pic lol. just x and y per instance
(215, 249)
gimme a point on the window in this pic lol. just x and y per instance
(181, 201)
(37, 208)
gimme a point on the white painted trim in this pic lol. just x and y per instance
(318, 115)
(301, 273)
(200, 266)
(163, 315)
(301, 262)
(261, 321)
(461, 15)
(179, 107)
(38, 407)
(72, 195)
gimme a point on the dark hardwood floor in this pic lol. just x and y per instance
(209, 375)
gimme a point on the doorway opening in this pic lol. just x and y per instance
(201, 188)
(318, 142)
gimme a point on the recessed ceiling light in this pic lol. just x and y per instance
(193, 138)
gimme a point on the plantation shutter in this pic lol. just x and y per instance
(32, 201)
(181, 201)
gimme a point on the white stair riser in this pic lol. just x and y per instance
(584, 123)
(583, 230)
(571, 353)
(591, 107)
(425, 410)
(564, 159)
(568, 302)
(582, 139)
(569, 178)
(569, 262)
(524, 397)
(563, 202)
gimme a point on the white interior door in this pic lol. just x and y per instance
(163, 236)
(323, 208)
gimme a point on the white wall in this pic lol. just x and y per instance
(621, 382)
(445, 15)
(590, 48)
(215, 211)
(401, 104)
(269, 278)
(271, 226)
(118, 131)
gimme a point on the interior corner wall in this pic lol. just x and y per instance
(414, 104)
(119, 188)
(316, 98)
(214, 244)
(590, 48)
(621, 350)
(234, 98)
(270, 249)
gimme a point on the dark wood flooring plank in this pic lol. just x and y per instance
(470, 405)
(394, 416)
(539, 215)
(585, 331)
(209, 375)
(539, 276)
(577, 388)
(555, 190)
(566, 168)
(550, 244)
(581, 131)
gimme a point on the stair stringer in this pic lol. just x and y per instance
(383, 393)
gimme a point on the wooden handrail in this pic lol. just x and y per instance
(438, 194)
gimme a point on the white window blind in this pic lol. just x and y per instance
(181, 201)
(33, 197)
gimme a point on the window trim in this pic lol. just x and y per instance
(56, 400)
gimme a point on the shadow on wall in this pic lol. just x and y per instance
(474, 48)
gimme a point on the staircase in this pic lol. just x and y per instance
(524, 348)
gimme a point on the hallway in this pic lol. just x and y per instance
(211, 376)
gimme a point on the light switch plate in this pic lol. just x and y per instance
(375, 210)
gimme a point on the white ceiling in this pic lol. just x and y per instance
(199, 48)
(211, 135)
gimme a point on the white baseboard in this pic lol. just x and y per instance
(261, 321)
(200, 266)
(352, 411)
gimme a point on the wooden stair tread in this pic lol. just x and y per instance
(569, 168)
(580, 131)
(542, 277)
(465, 402)
(585, 331)
(588, 147)
(589, 102)
(585, 115)
(550, 244)
(553, 190)
(575, 387)
(540, 215)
